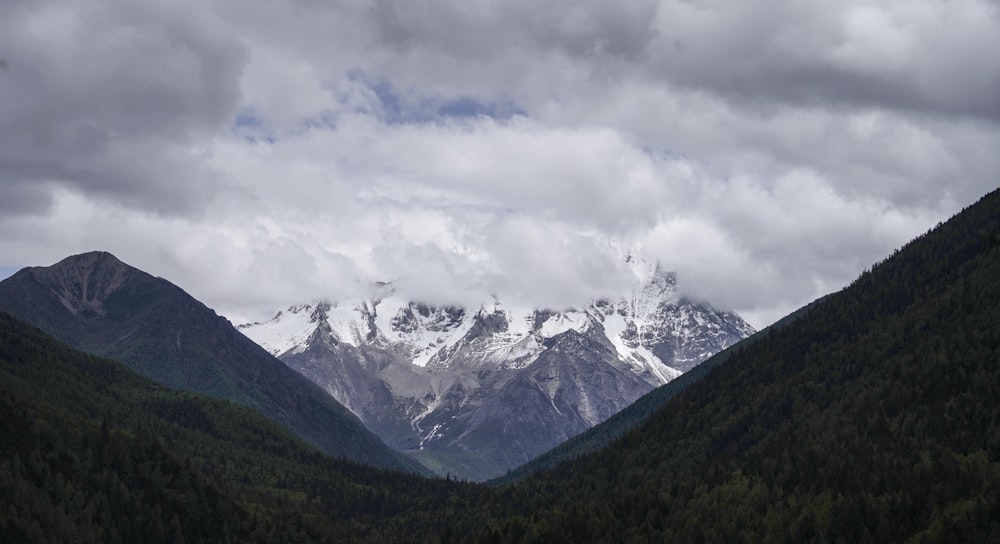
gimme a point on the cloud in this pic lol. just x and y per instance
(784, 244)
(264, 153)
(114, 99)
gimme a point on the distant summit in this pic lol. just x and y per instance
(475, 391)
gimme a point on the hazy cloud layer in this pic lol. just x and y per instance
(264, 153)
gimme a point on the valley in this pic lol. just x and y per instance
(869, 415)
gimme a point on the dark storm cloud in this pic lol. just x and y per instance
(924, 57)
(927, 57)
(24, 198)
(482, 29)
(114, 99)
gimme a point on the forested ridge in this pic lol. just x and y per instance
(91, 452)
(873, 417)
(601, 435)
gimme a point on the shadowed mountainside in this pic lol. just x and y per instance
(98, 304)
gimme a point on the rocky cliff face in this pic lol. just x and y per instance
(477, 391)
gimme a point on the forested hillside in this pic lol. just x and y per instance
(617, 425)
(875, 417)
(91, 452)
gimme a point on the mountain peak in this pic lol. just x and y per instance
(90, 261)
(320, 313)
(83, 282)
(96, 302)
(494, 382)
(96, 255)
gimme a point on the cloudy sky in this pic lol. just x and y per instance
(260, 153)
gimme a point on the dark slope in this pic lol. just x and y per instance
(80, 459)
(874, 417)
(98, 304)
(91, 452)
(545, 403)
(605, 433)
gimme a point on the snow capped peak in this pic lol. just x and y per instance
(644, 327)
(551, 324)
(285, 331)
(414, 316)
(320, 312)
(451, 378)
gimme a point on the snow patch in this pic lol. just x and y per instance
(286, 332)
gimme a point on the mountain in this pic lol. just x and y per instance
(474, 392)
(102, 306)
(603, 434)
(870, 416)
(91, 452)
(873, 417)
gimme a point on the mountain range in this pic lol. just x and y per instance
(869, 416)
(474, 392)
(600, 436)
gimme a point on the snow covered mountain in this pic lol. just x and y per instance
(476, 391)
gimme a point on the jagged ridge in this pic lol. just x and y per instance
(498, 383)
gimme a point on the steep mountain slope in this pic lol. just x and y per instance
(473, 393)
(874, 417)
(97, 303)
(603, 434)
(91, 452)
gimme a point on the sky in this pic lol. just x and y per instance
(263, 153)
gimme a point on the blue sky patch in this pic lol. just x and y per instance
(7, 271)
(250, 127)
(415, 108)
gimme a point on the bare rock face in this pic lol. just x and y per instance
(474, 392)
(83, 284)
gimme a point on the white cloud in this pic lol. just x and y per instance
(261, 154)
